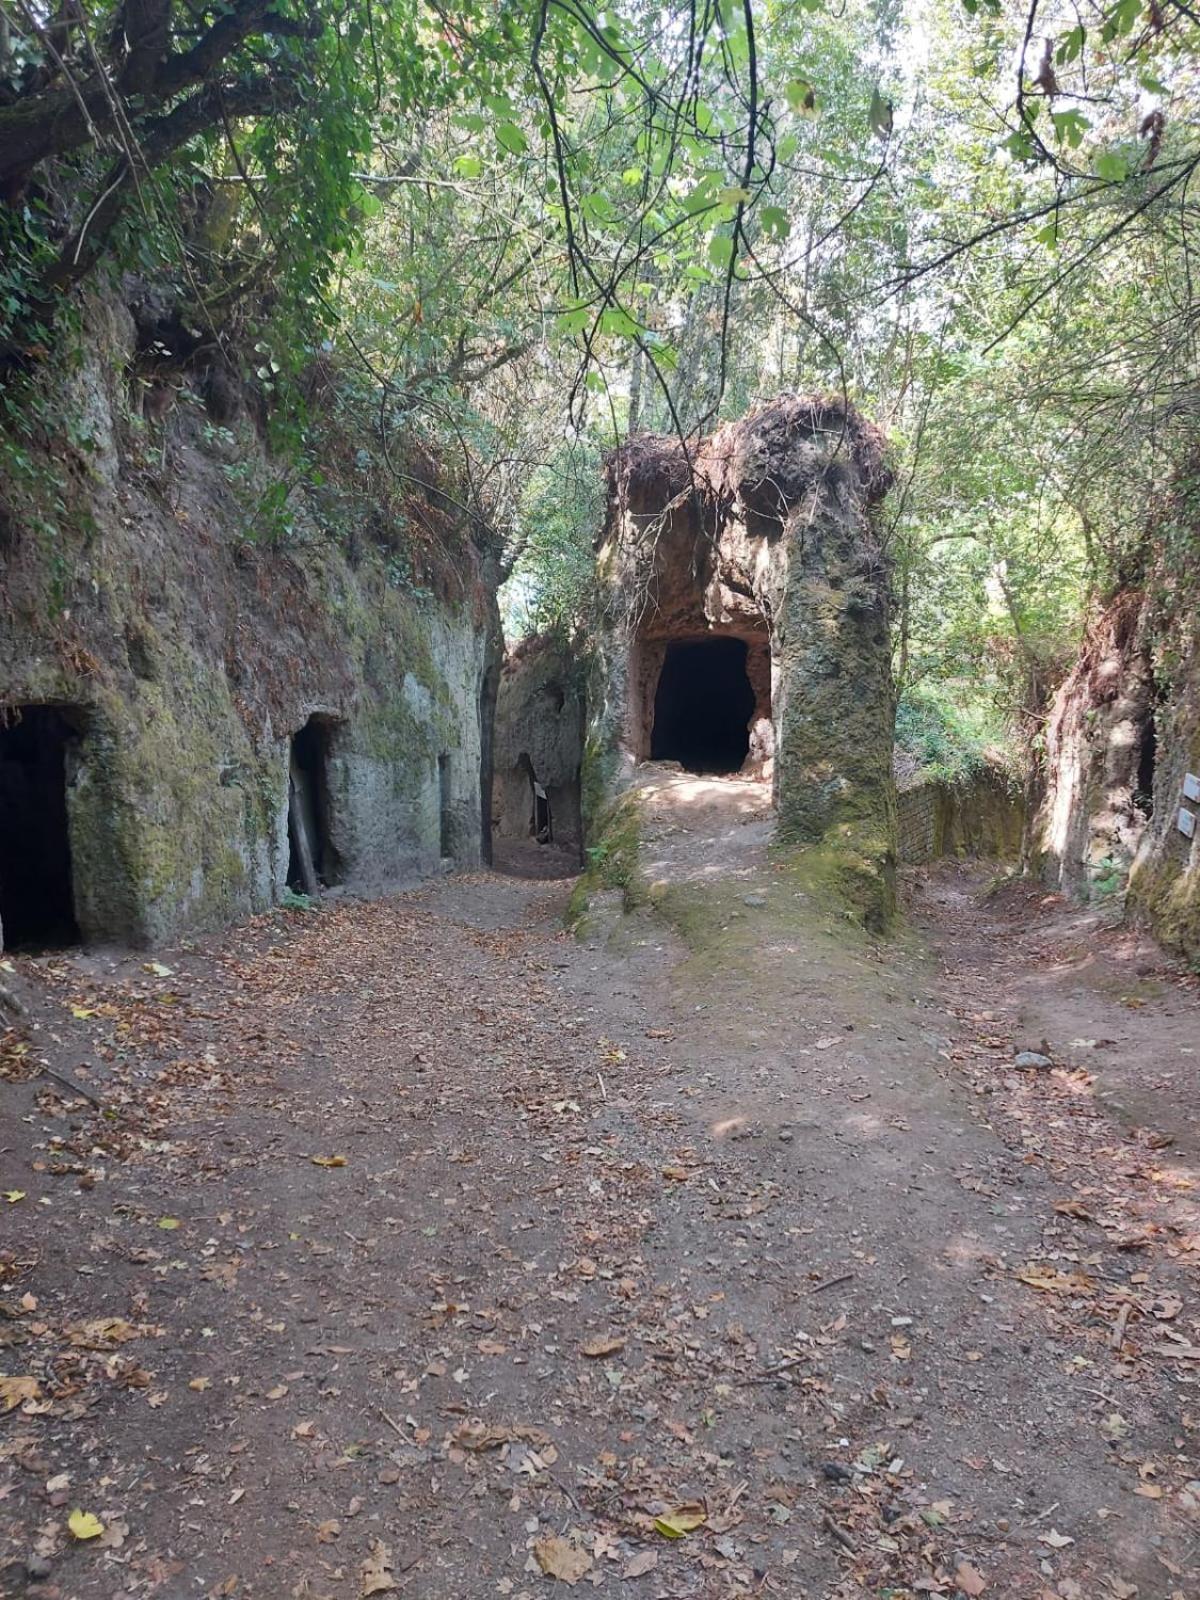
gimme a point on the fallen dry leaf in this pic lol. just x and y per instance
(639, 1565)
(477, 1436)
(684, 1519)
(1051, 1281)
(328, 1161)
(16, 1391)
(1056, 1540)
(101, 1332)
(603, 1346)
(969, 1579)
(116, 1531)
(377, 1571)
(561, 1560)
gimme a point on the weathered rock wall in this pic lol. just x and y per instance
(764, 533)
(191, 641)
(1122, 737)
(984, 816)
(1164, 883)
(1090, 820)
(539, 735)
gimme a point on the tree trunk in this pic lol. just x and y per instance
(635, 390)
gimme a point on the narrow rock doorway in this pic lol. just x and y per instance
(1143, 794)
(312, 860)
(37, 899)
(445, 807)
(703, 706)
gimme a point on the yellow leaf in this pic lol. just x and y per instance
(15, 1391)
(81, 1011)
(159, 969)
(199, 1384)
(13, 1195)
(685, 1519)
(328, 1161)
(168, 1222)
(84, 1525)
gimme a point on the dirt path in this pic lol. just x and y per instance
(422, 1249)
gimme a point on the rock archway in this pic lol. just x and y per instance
(751, 560)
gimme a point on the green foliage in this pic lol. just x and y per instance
(613, 862)
(518, 233)
(290, 900)
(948, 730)
(561, 513)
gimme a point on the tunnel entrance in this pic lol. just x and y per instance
(445, 807)
(37, 902)
(1143, 796)
(312, 860)
(703, 706)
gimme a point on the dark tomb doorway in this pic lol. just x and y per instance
(1143, 797)
(37, 901)
(703, 706)
(445, 807)
(312, 860)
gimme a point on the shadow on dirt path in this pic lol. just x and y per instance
(419, 1248)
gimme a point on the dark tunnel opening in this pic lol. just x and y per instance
(312, 860)
(37, 902)
(1143, 797)
(703, 706)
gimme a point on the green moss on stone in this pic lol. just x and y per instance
(613, 861)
